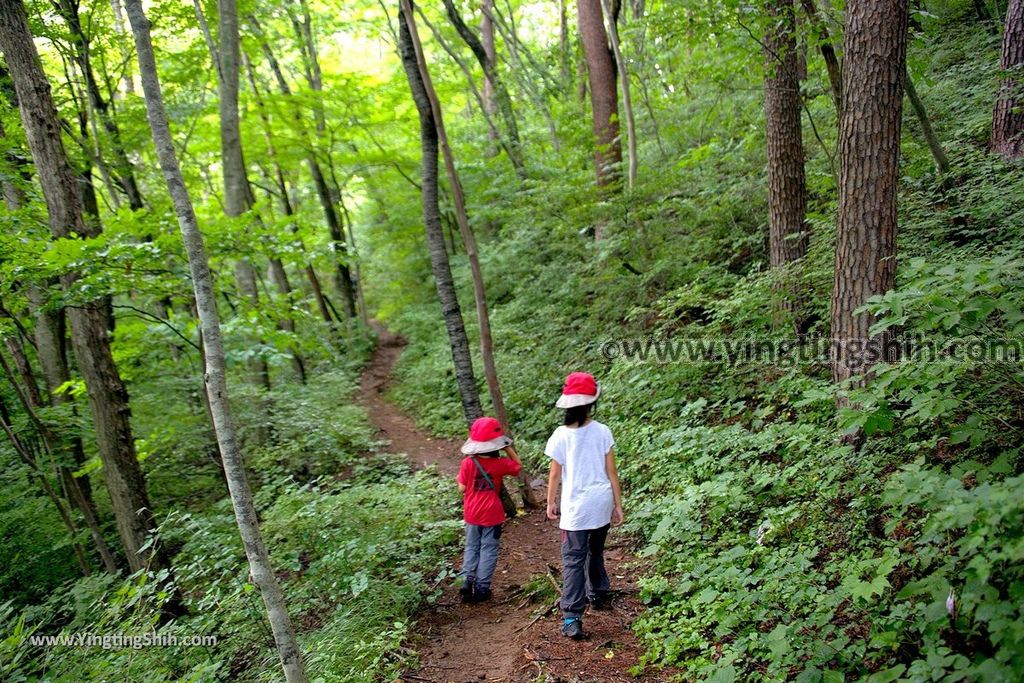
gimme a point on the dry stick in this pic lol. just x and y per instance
(216, 371)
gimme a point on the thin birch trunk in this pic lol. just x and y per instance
(216, 371)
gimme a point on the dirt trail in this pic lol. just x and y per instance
(508, 639)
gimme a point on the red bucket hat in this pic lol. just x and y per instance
(485, 435)
(580, 388)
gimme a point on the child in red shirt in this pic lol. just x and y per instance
(479, 481)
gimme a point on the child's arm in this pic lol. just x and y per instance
(613, 477)
(512, 454)
(554, 481)
(462, 487)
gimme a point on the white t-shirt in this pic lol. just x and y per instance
(587, 499)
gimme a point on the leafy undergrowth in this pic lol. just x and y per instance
(777, 553)
(354, 538)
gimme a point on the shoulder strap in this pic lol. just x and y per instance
(487, 477)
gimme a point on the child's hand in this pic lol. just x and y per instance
(552, 511)
(617, 515)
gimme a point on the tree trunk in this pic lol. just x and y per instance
(499, 100)
(282, 188)
(44, 483)
(874, 68)
(604, 98)
(787, 193)
(342, 275)
(237, 193)
(938, 154)
(828, 53)
(487, 38)
(1008, 115)
(108, 398)
(123, 167)
(611, 14)
(216, 373)
(462, 219)
(450, 310)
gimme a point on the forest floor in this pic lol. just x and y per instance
(511, 638)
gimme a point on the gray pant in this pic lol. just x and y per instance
(583, 571)
(481, 555)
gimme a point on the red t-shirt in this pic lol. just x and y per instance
(481, 504)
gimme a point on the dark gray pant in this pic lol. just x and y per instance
(481, 555)
(583, 571)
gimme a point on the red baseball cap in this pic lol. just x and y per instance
(580, 388)
(485, 435)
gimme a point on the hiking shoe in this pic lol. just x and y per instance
(467, 591)
(600, 601)
(573, 628)
(482, 595)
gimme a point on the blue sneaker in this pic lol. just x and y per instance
(572, 627)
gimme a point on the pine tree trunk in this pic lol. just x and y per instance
(874, 68)
(604, 97)
(450, 310)
(216, 373)
(1008, 116)
(108, 398)
(787, 193)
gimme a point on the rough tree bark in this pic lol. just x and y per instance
(1008, 115)
(450, 310)
(108, 398)
(604, 97)
(787, 191)
(874, 69)
(216, 372)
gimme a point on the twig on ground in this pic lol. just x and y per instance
(537, 618)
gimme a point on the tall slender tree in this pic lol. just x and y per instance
(1008, 115)
(90, 320)
(216, 369)
(446, 295)
(874, 48)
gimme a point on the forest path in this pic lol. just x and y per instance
(508, 639)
